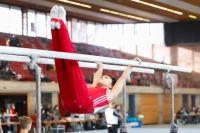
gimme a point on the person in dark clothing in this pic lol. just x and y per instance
(181, 119)
(14, 42)
(43, 114)
(117, 108)
(89, 125)
(8, 72)
(68, 124)
(48, 112)
(3, 67)
(44, 78)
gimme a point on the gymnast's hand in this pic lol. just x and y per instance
(99, 64)
(137, 59)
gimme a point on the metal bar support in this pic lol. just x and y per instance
(123, 125)
(173, 126)
(37, 69)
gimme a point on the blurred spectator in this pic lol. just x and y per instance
(79, 127)
(1, 130)
(188, 110)
(13, 42)
(5, 119)
(101, 123)
(90, 124)
(198, 112)
(50, 67)
(128, 82)
(9, 73)
(49, 112)
(33, 117)
(117, 108)
(147, 83)
(163, 60)
(56, 113)
(193, 111)
(43, 114)
(128, 114)
(3, 66)
(13, 114)
(180, 118)
(68, 124)
(142, 80)
(44, 78)
(139, 79)
(68, 114)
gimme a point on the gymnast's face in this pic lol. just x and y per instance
(105, 81)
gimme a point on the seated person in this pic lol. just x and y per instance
(44, 78)
(181, 119)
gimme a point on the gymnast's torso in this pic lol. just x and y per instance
(99, 97)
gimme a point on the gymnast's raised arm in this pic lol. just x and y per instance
(97, 74)
(120, 82)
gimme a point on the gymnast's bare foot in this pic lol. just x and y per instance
(61, 16)
(53, 16)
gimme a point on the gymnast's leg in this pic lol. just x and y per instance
(73, 88)
(60, 66)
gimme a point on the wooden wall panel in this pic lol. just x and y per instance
(166, 107)
(149, 108)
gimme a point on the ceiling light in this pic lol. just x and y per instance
(124, 15)
(159, 7)
(191, 16)
(75, 3)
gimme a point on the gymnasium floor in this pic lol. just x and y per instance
(157, 129)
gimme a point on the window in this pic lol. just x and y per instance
(74, 30)
(108, 37)
(98, 36)
(142, 34)
(129, 38)
(48, 27)
(24, 24)
(4, 23)
(82, 31)
(15, 20)
(69, 27)
(117, 36)
(90, 32)
(31, 23)
(156, 33)
(41, 24)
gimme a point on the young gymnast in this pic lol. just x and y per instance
(75, 96)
